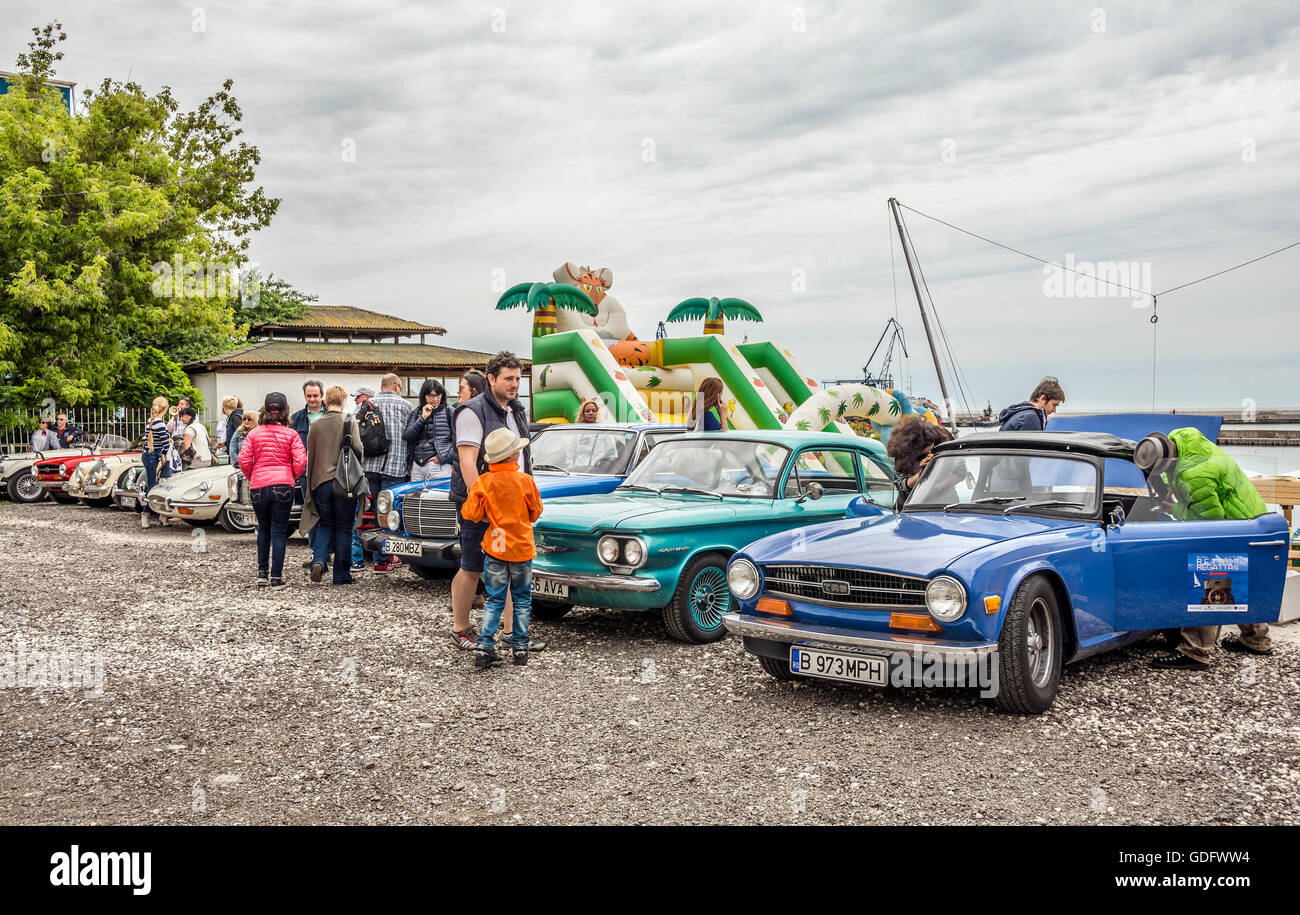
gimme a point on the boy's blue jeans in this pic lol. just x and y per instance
(499, 577)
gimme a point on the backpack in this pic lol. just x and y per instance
(374, 437)
(349, 478)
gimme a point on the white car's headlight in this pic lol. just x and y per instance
(945, 598)
(384, 502)
(742, 578)
(608, 550)
(232, 487)
(394, 521)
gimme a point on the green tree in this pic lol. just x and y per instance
(121, 228)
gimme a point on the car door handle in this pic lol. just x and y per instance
(1267, 543)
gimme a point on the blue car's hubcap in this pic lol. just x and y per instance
(710, 598)
(1039, 638)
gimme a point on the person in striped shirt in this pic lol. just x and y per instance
(156, 442)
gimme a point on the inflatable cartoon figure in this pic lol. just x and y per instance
(610, 320)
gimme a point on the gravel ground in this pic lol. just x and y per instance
(222, 704)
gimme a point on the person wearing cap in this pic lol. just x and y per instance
(507, 502)
(1200, 481)
(272, 459)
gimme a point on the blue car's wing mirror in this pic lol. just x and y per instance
(862, 507)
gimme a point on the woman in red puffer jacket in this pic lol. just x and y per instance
(272, 458)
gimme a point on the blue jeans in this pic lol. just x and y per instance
(499, 577)
(334, 532)
(271, 505)
(152, 462)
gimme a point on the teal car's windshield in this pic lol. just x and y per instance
(722, 466)
(1006, 483)
(579, 449)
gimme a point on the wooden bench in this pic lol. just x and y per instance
(1285, 493)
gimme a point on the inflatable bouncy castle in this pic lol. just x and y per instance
(584, 348)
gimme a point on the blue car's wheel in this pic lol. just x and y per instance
(1030, 649)
(702, 597)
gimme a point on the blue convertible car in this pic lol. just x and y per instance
(1015, 554)
(419, 522)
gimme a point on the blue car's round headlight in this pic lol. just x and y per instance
(383, 502)
(945, 598)
(742, 578)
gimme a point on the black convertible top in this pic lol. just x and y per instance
(1094, 443)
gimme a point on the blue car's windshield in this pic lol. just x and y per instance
(1011, 483)
(726, 466)
(579, 449)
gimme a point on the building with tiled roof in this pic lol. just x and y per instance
(333, 344)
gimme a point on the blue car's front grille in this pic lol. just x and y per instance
(844, 587)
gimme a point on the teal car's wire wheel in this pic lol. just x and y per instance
(695, 612)
(710, 598)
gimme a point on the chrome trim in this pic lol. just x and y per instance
(806, 632)
(585, 582)
(1267, 543)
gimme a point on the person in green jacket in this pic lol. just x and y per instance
(1200, 481)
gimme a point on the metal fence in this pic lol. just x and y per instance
(130, 423)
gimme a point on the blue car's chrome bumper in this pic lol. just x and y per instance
(780, 630)
(435, 552)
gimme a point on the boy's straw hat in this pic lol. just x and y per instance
(501, 445)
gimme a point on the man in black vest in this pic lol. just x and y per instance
(473, 420)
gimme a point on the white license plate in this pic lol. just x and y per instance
(400, 547)
(835, 665)
(547, 587)
(128, 501)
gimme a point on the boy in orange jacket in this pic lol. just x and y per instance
(509, 501)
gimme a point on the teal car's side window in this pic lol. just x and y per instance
(834, 468)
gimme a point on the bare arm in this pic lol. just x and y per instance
(468, 455)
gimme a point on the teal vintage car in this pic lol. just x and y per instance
(661, 540)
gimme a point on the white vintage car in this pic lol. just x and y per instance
(128, 490)
(18, 472)
(92, 481)
(201, 496)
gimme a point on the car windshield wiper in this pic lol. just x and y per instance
(694, 492)
(987, 500)
(1041, 503)
(638, 487)
(551, 467)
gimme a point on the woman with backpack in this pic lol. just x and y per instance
(337, 514)
(272, 458)
(428, 433)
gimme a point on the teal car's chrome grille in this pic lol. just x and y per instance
(844, 587)
(430, 519)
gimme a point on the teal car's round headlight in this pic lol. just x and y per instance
(608, 550)
(384, 502)
(742, 578)
(633, 552)
(945, 598)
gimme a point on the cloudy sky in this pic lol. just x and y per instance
(748, 149)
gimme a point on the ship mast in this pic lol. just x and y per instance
(948, 402)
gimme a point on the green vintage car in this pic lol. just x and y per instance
(661, 540)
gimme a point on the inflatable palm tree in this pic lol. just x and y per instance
(714, 310)
(544, 300)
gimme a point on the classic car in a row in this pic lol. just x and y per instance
(1015, 554)
(18, 471)
(202, 496)
(419, 522)
(92, 481)
(662, 539)
(54, 473)
(239, 512)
